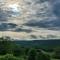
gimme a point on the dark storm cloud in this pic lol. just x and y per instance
(41, 1)
(56, 9)
(7, 26)
(33, 36)
(22, 30)
(49, 24)
(12, 27)
(3, 15)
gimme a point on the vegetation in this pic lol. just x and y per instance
(9, 50)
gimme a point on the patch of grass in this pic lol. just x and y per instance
(9, 57)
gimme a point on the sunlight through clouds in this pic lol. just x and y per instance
(30, 19)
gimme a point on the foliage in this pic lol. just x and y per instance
(32, 54)
(8, 57)
(9, 50)
(42, 56)
(57, 53)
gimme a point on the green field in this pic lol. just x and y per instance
(10, 50)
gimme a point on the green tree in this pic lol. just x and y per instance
(32, 54)
(57, 53)
(5, 45)
(42, 56)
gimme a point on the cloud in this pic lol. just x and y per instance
(39, 19)
(37, 9)
(3, 15)
(23, 30)
(33, 36)
(7, 26)
(47, 17)
(56, 9)
(52, 24)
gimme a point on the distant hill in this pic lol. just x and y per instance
(39, 43)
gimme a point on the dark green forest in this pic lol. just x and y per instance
(17, 50)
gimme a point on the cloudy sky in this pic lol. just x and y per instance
(30, 19)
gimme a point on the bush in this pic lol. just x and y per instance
(32, 54)
(42, 56)
(57, 53)
(8, 57)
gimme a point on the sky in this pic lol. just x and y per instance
(30, 19)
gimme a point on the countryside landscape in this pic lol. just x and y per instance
(29, 29)
(29, 50)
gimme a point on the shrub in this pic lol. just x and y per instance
(8, 57)
(42, 56)
(32, 54)
(57, 53)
